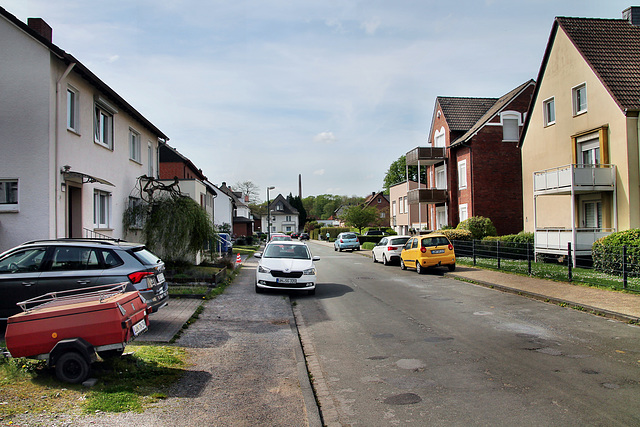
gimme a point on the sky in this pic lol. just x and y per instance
(334, 90)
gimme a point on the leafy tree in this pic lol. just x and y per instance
(296, 202)
(360, 217)
(250, 189)
(397, 173)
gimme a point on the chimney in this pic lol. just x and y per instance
(39, 26)
(632, 14)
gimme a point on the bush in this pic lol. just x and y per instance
(607, 252)
(479, 226)
(368, 246)
(454, 234)
(520, 238)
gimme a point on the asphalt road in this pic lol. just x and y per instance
(391, 347)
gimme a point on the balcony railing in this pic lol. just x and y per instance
(426, 155)
(556, 239)
(579, 178)
(426, 195)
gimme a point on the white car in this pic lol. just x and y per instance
(286, 265)
(388, 249)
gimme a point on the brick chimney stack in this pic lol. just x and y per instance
(41, 27)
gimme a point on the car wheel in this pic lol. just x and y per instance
(373, 256)
(452, 267)
(311, 292)
(358, 248)
(402, 266)
(385, 261)
(110, 354)
(339, 249)
(72, 368)
(259, 290)
(419, 268)
(335, 248)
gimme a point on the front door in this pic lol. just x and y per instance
(74, 211)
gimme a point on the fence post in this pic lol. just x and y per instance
(529, 258)
(624, 266)
(473, 250)
(569, 262)
(498, 252)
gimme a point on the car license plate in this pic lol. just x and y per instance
(286, 280)
(160, 277)
(437, 251)
(139, 327)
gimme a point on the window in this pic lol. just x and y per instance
(462, 174)
(101, 209)
(463, 212)
(406, 206)
(68, 258)
(589, 152)
(22, 261)
(592, 214)
(579, 98)
(288, 218)
(393, 208)
(439, 138)
(441, 217)
(400, 205)
(441, 178)
(149, 160)
(288, 228)
(379, 200)
(510, 126)
(549, 107)
(103, 127)
(134, 146)
(279, 207)
(9, 195)
(137, 212)
(73, 111)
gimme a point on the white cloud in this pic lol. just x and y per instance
(325, 138)
(371, 26)
(319, 172)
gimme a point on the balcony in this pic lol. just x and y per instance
(555, 240)
(426, 195)
(574, 179)
(426, 155)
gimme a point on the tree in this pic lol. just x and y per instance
(397, 173)
(360, 217)
(249, 189)
(296, 202)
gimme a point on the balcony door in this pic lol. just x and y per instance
(592, 214)
(589, 152)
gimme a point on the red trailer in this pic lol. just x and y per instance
(68, 328)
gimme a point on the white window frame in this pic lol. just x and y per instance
(463, 212)
(579, 93)
(135, 146)
(597, 206)
(441, 221)
(393, 208)
(441, 178)
(506, 120)
(546, 112)
(439, 138)
(400, 205)
(101, 209)
(103, 123)
(462, 174)
(150, 160)
(5, 191)
(406, 205)
(73, 109)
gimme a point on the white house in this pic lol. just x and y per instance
(284, 217)
(72, 148)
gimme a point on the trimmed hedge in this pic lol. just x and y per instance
(521, 238)
(479, 226)
(368, 246)
(455, 234)
(607, 252)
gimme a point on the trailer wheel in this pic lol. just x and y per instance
(110, 354)
(72, 368)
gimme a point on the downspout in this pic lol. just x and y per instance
(58, 182)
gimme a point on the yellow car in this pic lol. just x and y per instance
(431, 250)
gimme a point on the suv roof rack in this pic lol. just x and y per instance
(110, 241)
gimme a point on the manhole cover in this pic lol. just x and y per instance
(403, 399)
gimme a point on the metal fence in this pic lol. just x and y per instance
(617, 269)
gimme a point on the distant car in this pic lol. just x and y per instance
(294, 235)
(388, 249)
(286, 266)
(346, 240)
(431, 250)
(304, 236)
(374, 233)
(280, 238)
(38, 267)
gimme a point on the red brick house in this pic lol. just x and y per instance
(474, 163)
(381, 203)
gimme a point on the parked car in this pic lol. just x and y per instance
(388, 249)
(374, 233)
(286, 266)
(304, 236)
(294, 235)
(280, 238)
(42, 266)
(346, 240)
(431, 250)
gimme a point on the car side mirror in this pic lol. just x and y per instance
(315, 258)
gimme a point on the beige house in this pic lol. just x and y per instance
(406, 216)
(579, 144)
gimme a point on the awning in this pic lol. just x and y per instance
(83, 177)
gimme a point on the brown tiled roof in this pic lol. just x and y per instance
(612, 48)
(462, 113)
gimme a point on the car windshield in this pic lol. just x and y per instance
(280, 238)
(435, 241)
(287, 251)
(349, 236)
(399, 241)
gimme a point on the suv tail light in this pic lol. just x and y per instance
(138, 276)
(391, 248)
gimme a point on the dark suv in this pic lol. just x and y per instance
(42, 266)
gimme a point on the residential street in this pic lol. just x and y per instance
(390, 347)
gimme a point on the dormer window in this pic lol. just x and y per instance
(510, 126)
(279, 207)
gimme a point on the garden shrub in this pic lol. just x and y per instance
(607, 252)
(479, 226)
(368, 246)
(455, 234)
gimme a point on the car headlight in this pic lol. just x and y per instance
(309, 272)
(262, 269)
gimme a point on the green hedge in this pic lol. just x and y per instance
(455, 234)
(368, 246)
(521, 238)
(607, 252)
(479, 226)
(333, 232)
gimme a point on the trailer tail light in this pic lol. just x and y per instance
(138, 276)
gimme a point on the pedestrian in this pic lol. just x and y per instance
(327, 236)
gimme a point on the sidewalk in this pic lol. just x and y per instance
(616, 305)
